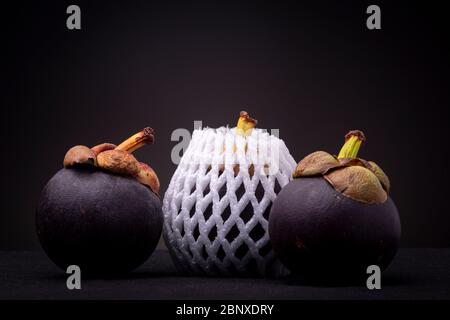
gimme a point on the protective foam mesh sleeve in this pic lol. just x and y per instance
(217, 204)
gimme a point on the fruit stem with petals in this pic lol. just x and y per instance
(353, 141)
(245, 124)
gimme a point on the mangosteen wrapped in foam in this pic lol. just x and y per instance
(217, 204)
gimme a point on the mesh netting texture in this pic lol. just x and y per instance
(217, 205)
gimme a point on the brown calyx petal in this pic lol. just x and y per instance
(118, 161)
(316, 163)
(372, 166)
(79, 155)
(103, 147)
(354, 162)
(384, 179)
(357, 183)
(148, 177)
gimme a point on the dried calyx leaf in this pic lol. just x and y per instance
(316, 163)
(384, 179)
(118, 159)
(103, 147)
(79, 155)
(147, 176)
(358, 183)
(354, 177)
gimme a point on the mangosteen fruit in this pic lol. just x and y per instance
(102, 211)
(218, 201)
(335, 218)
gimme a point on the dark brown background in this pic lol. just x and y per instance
(312, 70)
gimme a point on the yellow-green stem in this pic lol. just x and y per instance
(353, 141)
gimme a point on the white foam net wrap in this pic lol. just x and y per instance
(217, 204)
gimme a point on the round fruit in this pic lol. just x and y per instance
(102, 211)
(218, 201)
(104, 223)
(335, 218)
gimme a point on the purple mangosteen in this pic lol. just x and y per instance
(101, 212)
(335, 218)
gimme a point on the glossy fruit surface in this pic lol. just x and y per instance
(102, 222)
(318, 232)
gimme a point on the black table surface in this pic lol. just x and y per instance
(414, 274)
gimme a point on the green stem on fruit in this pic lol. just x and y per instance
(353, 141)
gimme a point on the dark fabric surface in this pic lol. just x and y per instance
(414, 274)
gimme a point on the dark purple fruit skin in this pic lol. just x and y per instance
(319, 233)
(104, 223)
